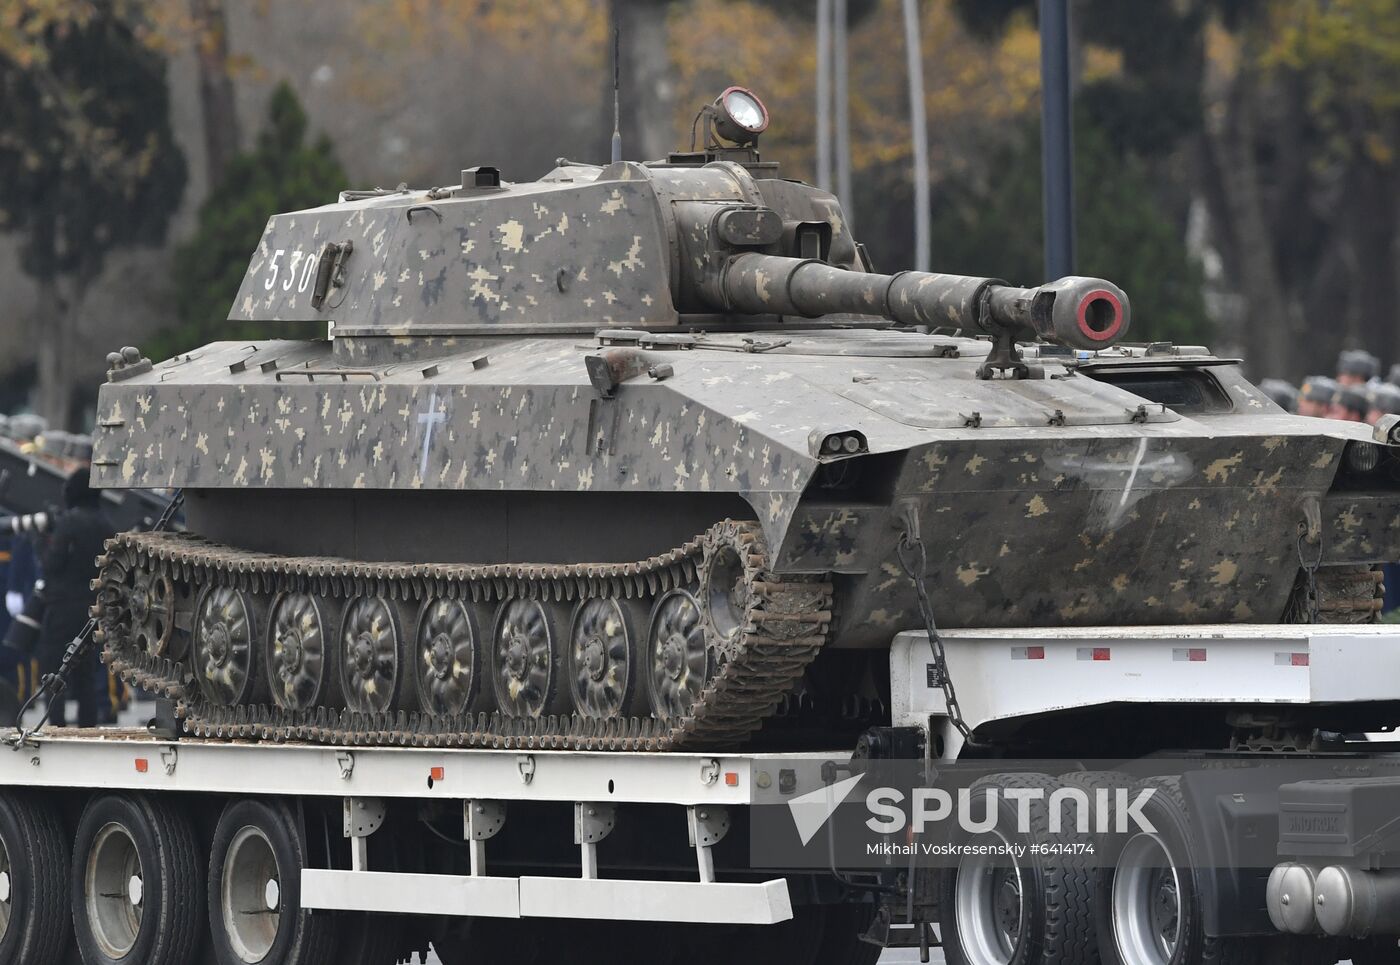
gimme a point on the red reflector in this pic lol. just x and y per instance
(1027, 653)
(437, 773)
(1196, 656)
(142, 765)
(1102, 653)
(1300, 660)
(731, 779)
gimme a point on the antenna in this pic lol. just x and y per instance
(617, 99)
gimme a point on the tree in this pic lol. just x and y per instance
(87, 161)
(283, 173)
(989, 223)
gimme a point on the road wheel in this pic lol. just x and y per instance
(34, 914)
(1005, 909)
(1149, 912)
(255, 914)
(136, 883)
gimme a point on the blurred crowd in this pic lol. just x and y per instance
(1357, 393)
(46, 568)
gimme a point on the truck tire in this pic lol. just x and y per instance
(136, 883)
(34, 915)
(1019, 911)
(255, 913)
(1147, 886)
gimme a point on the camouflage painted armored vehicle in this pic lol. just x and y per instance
(625, 458)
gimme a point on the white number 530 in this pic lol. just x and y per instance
(298, 259)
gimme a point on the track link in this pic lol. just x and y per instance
(784, 624)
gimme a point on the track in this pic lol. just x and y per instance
(151, 583)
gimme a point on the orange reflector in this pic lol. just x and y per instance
(437, 773)
(731, 779)
(142, 765)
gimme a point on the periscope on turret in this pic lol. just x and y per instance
(621, 458)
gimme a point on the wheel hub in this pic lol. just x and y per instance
(140, 603)
(595, 659)
(218, 638)
(290, 644)
(1165, 910)
(364, 654)
(442, 656)
(518, 655)
(673, 656)
(1008, 908)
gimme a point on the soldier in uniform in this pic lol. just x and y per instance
(66, 555)
(1316, 397)
(1357, 367)
(1283, 393)
(1384, 400)
(1350, 404)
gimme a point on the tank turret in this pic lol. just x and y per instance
(706, 239)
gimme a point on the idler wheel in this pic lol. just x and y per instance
(296, 651)
(525, 667)
(371, 655)
(603, 658)
(678, 663)
(450, 659)
(152, 605)
(225, 626)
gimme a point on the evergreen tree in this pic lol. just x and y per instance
(88, 163)
(989, 223)
(283, 173)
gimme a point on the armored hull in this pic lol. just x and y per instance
(612, 459)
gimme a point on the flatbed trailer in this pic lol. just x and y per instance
(121, 845)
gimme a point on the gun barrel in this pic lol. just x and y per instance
(1086, 313)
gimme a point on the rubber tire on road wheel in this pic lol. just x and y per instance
(1168, 813)
(1057, 900)
(173, 888)
(37, 848)
(301, 938)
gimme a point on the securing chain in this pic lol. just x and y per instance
(52, 685)
(913, 557)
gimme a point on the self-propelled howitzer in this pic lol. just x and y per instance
(625, 457)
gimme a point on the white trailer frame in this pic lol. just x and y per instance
(703, 787)
(1006, 674)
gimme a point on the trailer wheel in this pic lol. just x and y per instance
(136, 884)
(255, 913)
(34, 918)
(999, 909)
(1150, 907)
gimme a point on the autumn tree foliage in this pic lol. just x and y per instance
(88, 162)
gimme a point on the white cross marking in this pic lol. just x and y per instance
(429, 420)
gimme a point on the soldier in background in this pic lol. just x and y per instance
(1384, 400)
(1284, 394)
(66, 555)
(1315, 398)
(1357, 367)
(1350, 404)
